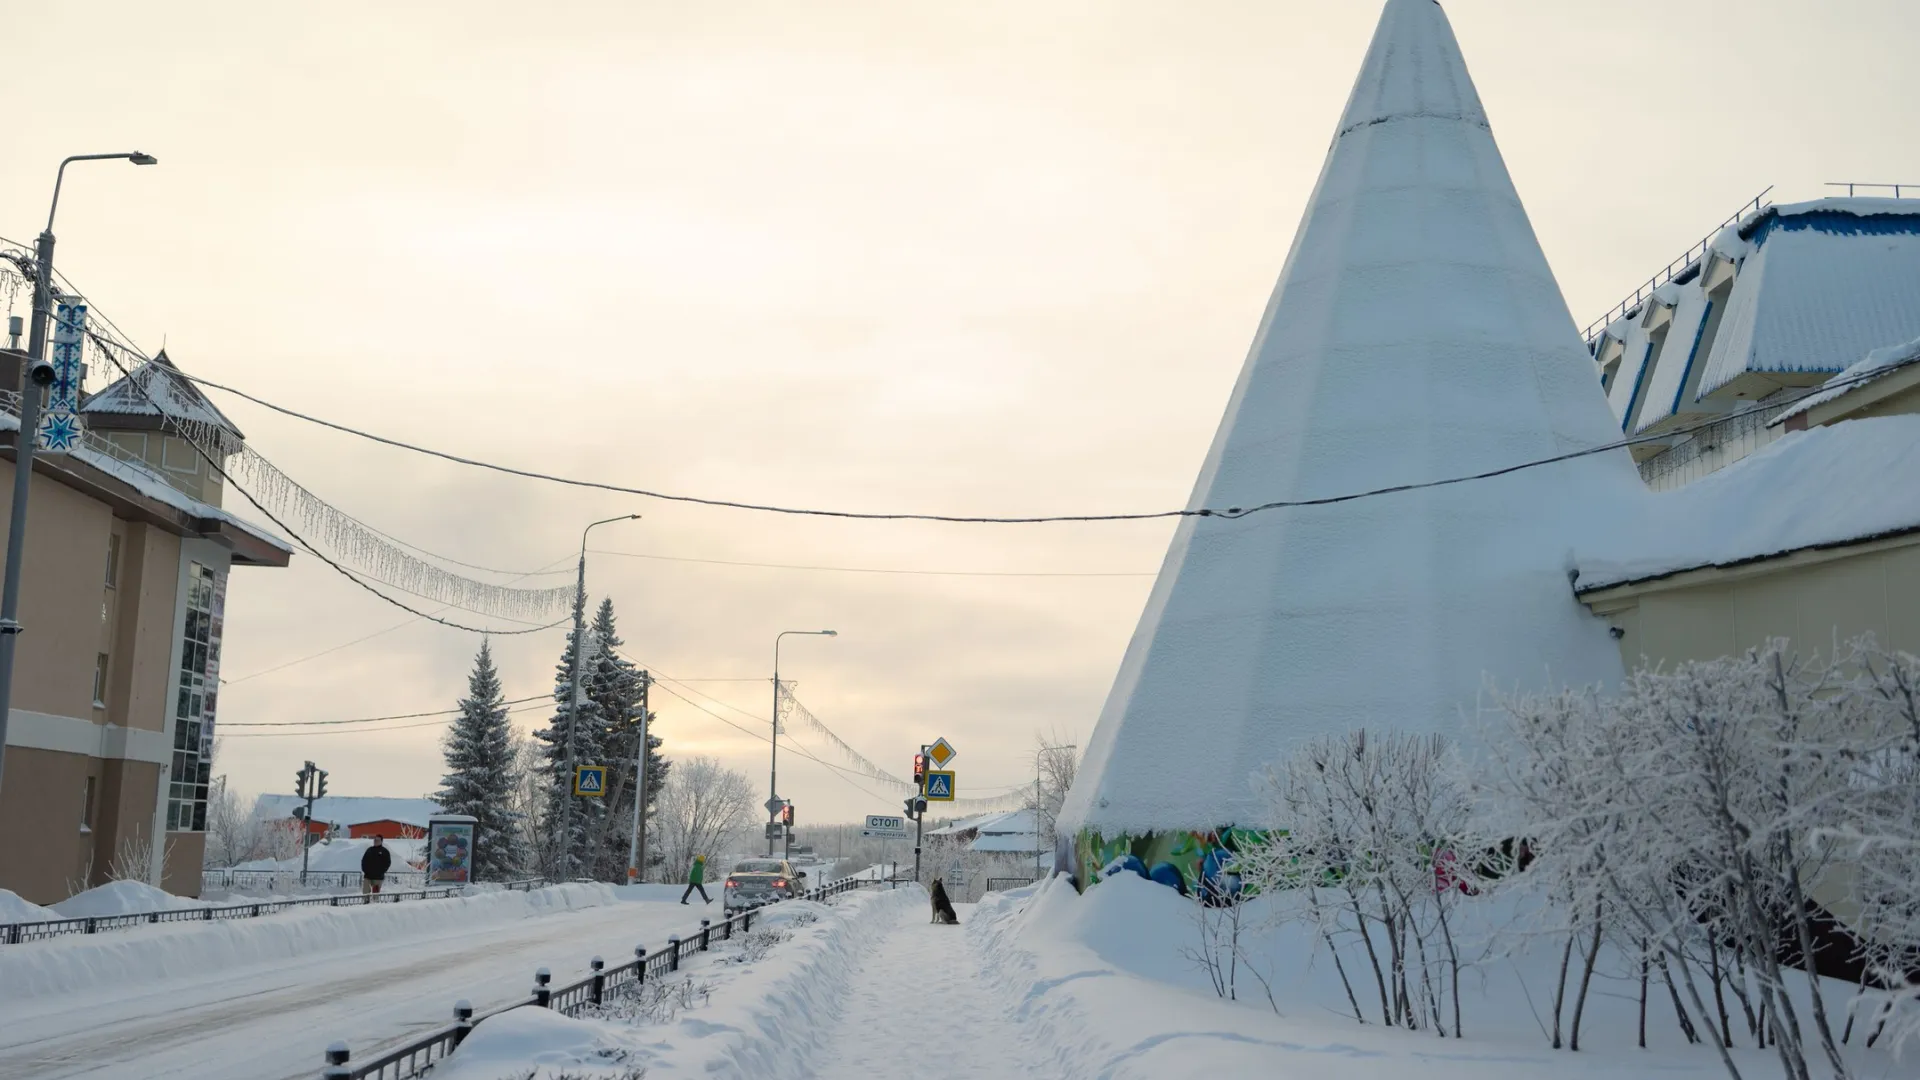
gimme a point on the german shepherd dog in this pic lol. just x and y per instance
(942, 907)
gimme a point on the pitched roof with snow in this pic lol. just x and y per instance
(1808, 261)
(1416, 334)
(351, 809)
(158, 380)
(1822, 487)
(1878, 365)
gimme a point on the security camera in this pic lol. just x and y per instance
(41, 373)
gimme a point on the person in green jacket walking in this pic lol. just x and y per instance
(696, 879)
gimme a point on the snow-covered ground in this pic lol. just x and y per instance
(260, 999)
(1043, 982)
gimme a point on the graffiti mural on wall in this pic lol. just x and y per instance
(1197, 863)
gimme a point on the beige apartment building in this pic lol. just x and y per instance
(116, 678)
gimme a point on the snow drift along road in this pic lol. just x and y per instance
(78, 963)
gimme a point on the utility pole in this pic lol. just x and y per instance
(637, 844)
(38, 374)
(573, 716)
(773, 754)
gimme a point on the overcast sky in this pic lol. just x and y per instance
(990, 258)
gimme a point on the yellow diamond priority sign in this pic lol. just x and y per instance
(942, 752)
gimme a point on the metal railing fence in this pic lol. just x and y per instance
(414, 1058)
(21, 932)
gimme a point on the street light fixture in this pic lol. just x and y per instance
(23, 441)
(579, 662)
(773, 760)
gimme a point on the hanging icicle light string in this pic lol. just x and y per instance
(349, 540)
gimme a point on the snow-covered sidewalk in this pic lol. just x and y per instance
(920, 985)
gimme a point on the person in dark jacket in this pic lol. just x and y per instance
(373, 867)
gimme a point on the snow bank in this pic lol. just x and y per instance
(120, 898)
(1102, 979)
(755, 1026)
(13, 909)
(77, 963)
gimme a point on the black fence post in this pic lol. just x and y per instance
(542, 993)
(640, 973)
(703, 935)
(336, 1063)
(599, 980)
(726, 929)
(462, 1021)
(673, 956)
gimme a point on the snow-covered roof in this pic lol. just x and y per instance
(1822, 487)
(1667, 382)
(1878, 364)
(351, 809)
(1811, 262)
(155, 487)
(1416, 334)
(158, 380)
(967, 824)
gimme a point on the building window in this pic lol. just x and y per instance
(100, 681)
(86, 807)
(113, 560)
(193, 706)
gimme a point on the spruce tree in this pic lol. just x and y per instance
(482, 772)
(617, 688)
(570, 856)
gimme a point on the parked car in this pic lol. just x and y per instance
(754, 882)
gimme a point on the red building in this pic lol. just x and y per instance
(388, 829)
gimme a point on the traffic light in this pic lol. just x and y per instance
(786, 815)
(320, 784)
(302, 778)
(919, 770)
(909, 804)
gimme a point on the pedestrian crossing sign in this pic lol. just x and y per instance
(590, 780)
(939, 785)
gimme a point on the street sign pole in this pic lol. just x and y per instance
(918, 818)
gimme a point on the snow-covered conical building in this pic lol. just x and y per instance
(1416, 334)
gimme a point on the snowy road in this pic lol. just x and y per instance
(920, 985)
(272, 1022)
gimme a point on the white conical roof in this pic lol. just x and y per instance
(1416, 334)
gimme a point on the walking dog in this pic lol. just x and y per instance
(942, 907)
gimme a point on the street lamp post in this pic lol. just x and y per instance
(1039, 800)
(579, 663)
(773, 761)
(23, 442)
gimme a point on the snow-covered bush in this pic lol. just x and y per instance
(1371, 854)
(1692, 818)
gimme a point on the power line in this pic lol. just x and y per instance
(1229, 513)
(297, 538)
(336, 648)
(354, 731)
(878, 570)
(365, 719)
